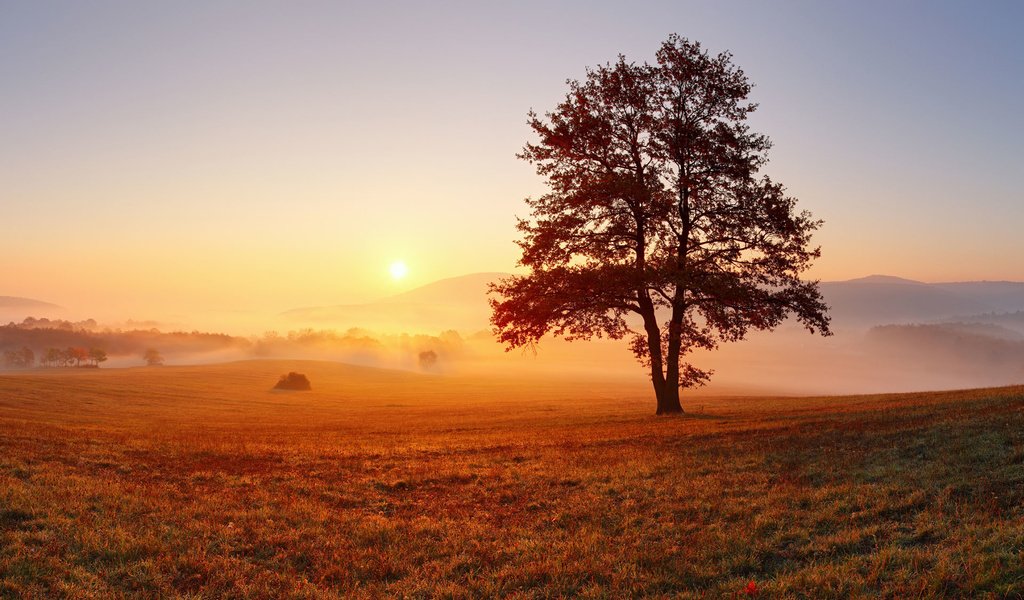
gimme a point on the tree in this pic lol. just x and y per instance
(12, 359)
(97, 355)
(19, 359)
(427, 359)
(658, 223)
(53, 357)
(152, 357)
(77, 354)
(28, 357)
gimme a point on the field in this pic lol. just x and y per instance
(199, 482)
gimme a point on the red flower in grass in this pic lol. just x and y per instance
(751, 589)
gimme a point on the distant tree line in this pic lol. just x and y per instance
(55, 341)
(44, 323)
(44, 333)
(72, 356)
(19, 359)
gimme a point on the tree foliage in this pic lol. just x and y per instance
(658, 224)
(293, 381)
(19, 359)
(72, 356)
(153, 357)
(427, 359)
(97, 355)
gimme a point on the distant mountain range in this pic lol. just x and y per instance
(461, 303)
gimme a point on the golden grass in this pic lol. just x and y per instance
(199, 482)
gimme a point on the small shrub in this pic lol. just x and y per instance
(293, 381)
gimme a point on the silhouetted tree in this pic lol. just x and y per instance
(19, 359)
(77, 354)
(657, 208)
(97, 355)
(152, 357)
(427, 358)
(53, 357)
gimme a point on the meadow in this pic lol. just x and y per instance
(201, 482)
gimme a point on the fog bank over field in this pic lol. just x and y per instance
(891, 335)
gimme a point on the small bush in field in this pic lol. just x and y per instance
(293, 381)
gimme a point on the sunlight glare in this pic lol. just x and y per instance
(398, 270)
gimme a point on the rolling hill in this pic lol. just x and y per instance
(458, 303)
(14, 308)
(880, 299)
(16, 302)
(461, 303)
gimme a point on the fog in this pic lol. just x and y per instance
(890, 335)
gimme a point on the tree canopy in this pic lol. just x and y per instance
(153, 357)
(658, 223)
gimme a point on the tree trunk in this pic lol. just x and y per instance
(666, 392)
(666, 387)
(668, 399)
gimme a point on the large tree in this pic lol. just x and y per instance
(658, 223)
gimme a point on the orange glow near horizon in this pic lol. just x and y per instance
(180, 165)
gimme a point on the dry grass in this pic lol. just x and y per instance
(199, 482)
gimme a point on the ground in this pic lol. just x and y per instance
(199, 482)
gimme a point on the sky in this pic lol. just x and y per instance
(163, 159)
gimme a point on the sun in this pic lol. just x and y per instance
(398, 270)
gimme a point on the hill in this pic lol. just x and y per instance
(976, 351)
(880, 300)
(996, 296)
(14, 308)
(202, 482)
(466, 289)
(16, 302)
(460, 303)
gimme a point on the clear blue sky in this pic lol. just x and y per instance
(272, 155)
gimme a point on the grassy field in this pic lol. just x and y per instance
(199, 482)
